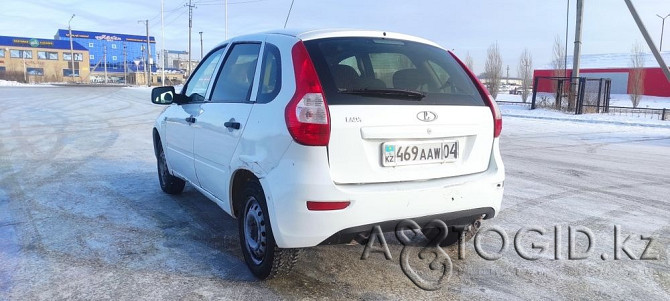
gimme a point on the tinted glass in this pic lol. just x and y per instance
(270, 75)
(197, 85)
(358, 64)
(237, 75)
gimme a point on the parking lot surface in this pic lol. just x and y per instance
(82, 215)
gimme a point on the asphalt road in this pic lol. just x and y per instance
(82, 216)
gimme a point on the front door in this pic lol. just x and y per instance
(180, 119)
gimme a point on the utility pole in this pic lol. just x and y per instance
(145, 65)
(200, 45)
(125, 65)
(567, 26)
(660, 48)
(648, 39)
(225, 34)
(578, 38)
(162, 44)
(69, 28)
(190, 26)
(104, 58)
(508, 74)
(148, 71)
(575, 57)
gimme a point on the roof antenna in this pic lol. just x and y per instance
(289, 13)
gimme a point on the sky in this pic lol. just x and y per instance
(467, 27)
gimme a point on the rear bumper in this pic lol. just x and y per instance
(458, 219)
(303, 176)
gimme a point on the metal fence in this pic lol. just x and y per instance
(662, 114)
(584, 95)
(581, 95)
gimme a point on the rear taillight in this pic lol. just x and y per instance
(497, 117)
(307, 116)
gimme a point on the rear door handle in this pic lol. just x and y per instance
(190, 119)
(232, 125)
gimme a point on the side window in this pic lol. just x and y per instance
(351, 62)
(449, 84)
(237, 75)
(270, 74)
(442, 77)
(197, 84)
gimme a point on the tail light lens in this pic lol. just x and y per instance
(495, 111)
(307, 116)
(327, 206)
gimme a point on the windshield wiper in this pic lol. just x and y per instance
(396, 93)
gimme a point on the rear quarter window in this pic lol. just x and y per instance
(350, 64)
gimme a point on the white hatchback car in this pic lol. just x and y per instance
(315, 137)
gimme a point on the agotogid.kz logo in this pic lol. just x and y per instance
(34, 43)
(426, 116)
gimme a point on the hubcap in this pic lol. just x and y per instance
(254, 230)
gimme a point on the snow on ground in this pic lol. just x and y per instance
(618, 100)
(7, 83)
(651, 102)
(523, 111)
(82, 215)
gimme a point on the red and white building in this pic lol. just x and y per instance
(617, 68)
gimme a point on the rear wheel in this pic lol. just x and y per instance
(169, 183)
(264, 258)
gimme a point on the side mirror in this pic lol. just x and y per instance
(165, 96)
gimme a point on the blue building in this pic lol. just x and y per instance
(120, 48)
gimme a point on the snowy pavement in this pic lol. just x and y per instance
(82, 215)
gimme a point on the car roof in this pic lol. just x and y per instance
(306, 35)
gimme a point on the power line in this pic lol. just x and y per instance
(175, 18)
(229, 3)
(168, 14)
(167, 11)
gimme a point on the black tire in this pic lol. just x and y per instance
(169, 183)
(263, 257)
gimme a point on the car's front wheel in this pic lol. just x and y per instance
(169, 183)
(264, 258)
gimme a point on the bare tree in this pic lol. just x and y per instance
(525, 71)
(636, 75)
(493, 69)
(469, 62)
(558, 64)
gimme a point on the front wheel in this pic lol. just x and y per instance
(169, 183)
(264, 258)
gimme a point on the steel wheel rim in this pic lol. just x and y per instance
(255, 231)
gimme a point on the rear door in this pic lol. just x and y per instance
(223, 118)
(400, 111)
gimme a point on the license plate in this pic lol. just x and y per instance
(410, 153)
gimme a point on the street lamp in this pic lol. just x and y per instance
(660, 47)
(69, 28)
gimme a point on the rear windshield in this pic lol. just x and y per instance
(361, 70)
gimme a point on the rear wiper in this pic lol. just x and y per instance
(414, 95)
